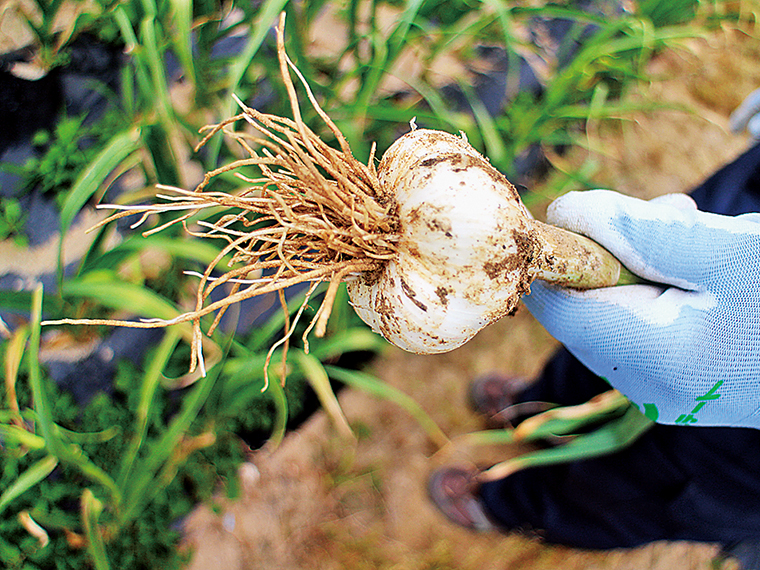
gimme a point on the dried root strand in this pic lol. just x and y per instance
(316, 214)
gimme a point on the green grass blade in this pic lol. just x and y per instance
(143, 484)
(149, 34)
(320, 382)
(150, 384)
(199, 250)
(504, 14)
(349, 340)
(399, 36)
(385, 52)
(14, 354)
(91, 510)
(42, 405)
(133, 46)
(244, 380)
(101, 436)
(451, 122)
(183, 23)
(28, 479)
(560, 12)
(42, 408)
(268, 13)
(263, 334)
(280, 423)
(567, 420)
(90, 180)
(107, 291)
(19, 436)
(73, 455)
(495, 149)
(380, 389)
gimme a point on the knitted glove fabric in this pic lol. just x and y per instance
(686, 348)
(747, 116)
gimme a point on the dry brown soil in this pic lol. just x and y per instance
(322, 501)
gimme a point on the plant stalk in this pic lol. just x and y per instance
(572, 260)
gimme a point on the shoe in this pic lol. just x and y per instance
(495, 396)
(494, 392)
(453, 491)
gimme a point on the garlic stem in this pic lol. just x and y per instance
(573, 260)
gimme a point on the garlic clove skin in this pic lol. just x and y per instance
(464, 241)
(467, 248)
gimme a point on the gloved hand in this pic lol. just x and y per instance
(685, 349)
(747, 116)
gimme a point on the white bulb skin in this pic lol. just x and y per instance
(465, 248)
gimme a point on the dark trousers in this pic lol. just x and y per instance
(674, 483)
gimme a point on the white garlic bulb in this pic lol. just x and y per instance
(468, 248)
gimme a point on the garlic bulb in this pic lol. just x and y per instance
(467, 248)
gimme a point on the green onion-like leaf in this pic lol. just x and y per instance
(109, 292)
(149, 385)
(319, 380)
(91, 179)
(28, 479)
(259, 30)
(373, 386)
(609, 438)
(142, 485)
(42, 405)
(11, 433)
(91, 509)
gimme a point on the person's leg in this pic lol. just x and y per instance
(734, 189)
(564, 381)
(671, 484)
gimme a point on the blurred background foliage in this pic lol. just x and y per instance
(99, 472)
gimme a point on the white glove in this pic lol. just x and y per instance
(747, 116)
(687, 351)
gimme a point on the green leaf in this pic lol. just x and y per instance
(11, 433)
(149, 41)
(21, 302)
(319, 380)
(150, 383)
(91, 179)
(143, 484)
(28, 479)
(182, 39)
(349, 340)
(42, 405)
(495, 149)
(609, 438)
(199, 250)
(101, 436)
(266, 19)
(106, 290)
(380, 389)
(91, 510)
(568, 420)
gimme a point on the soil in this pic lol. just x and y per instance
(325, 501)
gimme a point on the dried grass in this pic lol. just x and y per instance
(316, 214)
